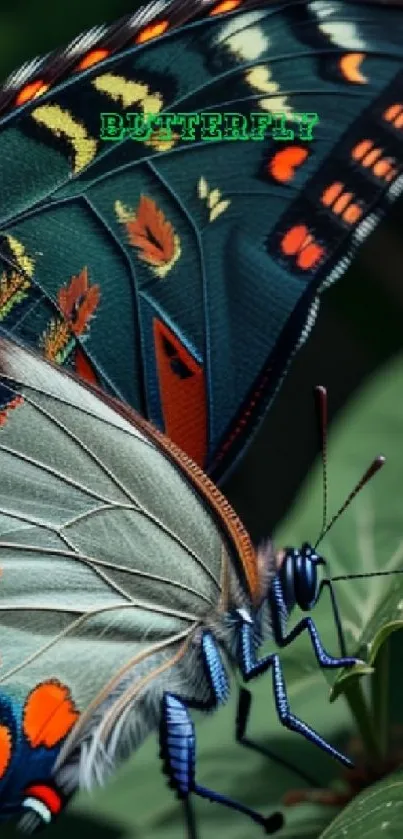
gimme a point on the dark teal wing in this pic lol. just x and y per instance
(176, 266)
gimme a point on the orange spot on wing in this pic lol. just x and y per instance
(331, 193)
(284, 163)
(294, 239)
(6, 749)
(49, 714)
(93, 57)
(31, 91)
(350, 67)
(382, 168)
(394, 114)
(370, 157)
(182, 392)
(361, 149)
(225, 6)
(310, 256)
(152, 31)
(299, 242)
(342, 202)
(352, 214)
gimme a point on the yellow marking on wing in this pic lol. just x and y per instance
(62, 124)
(123, 212)
(218, 209)
(276, 104)
(155, 142)
(213, 199)
(260, 79)
(21, 257)
(202, 187)
(127, 92)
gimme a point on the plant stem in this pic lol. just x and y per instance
(363, 718)
(380, 696)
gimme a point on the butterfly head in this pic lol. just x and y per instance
(299, 577)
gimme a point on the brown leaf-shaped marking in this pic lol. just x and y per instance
(154, 236)
(78, 301)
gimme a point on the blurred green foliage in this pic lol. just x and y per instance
(30, 29)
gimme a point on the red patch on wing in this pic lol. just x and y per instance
(49, 714)
(84, 368)
(183, 393)
(49, 796)
(299, 242)
(284, 164)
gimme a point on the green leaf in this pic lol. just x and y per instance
(377, 813)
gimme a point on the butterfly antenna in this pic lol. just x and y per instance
(375, 466)
(368, 574)
(320, 393)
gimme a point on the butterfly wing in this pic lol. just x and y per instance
(103, 580)
(180, 274)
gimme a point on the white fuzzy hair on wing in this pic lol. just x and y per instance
(127, 716)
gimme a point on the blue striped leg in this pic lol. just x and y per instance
(242, 718)
(178, 740)
(251, 667)
(279, 614)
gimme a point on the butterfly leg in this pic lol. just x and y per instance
(251, 667)
(279, 615)
(178, 740)
(242, 718)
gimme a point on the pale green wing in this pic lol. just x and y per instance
(105, 548)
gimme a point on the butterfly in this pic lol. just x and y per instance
(176, 269)
(181, 273)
